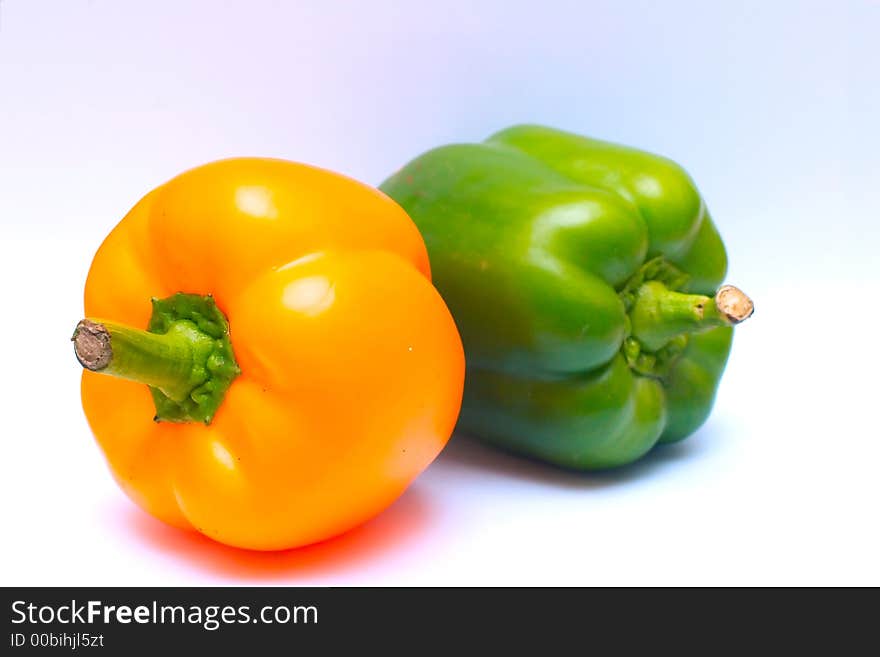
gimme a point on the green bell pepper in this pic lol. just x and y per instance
(583, 277)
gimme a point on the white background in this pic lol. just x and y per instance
(773, 111)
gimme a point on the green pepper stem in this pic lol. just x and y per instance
(164, 361)
(660, 314)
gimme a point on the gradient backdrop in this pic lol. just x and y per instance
(772, 107)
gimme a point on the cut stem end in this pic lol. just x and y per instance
(734, 304)
(91, 344)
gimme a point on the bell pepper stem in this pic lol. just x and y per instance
(163, 361)
(185, 356)
(660, 314)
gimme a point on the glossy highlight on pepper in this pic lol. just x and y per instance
(584, 278)
(265, 358)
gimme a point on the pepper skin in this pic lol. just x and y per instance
(576, 271)
(345, 373)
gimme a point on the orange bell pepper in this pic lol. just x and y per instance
(300, 368)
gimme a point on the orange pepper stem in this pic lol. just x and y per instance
(161, 361)
(185, 357)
